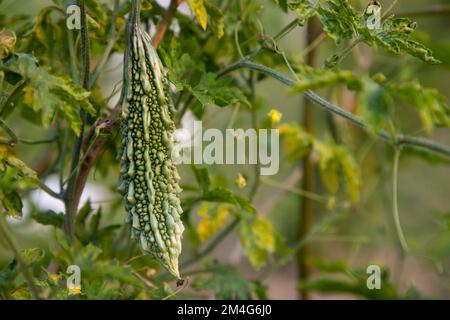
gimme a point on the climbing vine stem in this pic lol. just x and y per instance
(395, 211)
(400, 139)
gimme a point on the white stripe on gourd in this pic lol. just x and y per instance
(148, 177)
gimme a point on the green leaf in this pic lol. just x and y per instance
(14, 174)
(33, 256)
(431, 105)
(202, 177)
(42, 24)
(83, 213)
(226, 284)
(257, 237)
(102, 277)
(199, 9)
(309, 79)
(45, 37)
(162, 292)
(48, 94)
(227, 196)
(282, 4)
(88, 226)
(12, 203)
(219, 91)
(216, 19)
(305, 9)
(208, 90)
(89, 254)
(48, 218)
(96, 10)
(354, 282)
(335, 285)
(339, 20)
(260, 290)
(8, 274)
(179, 63)
(376, 105)
(396, 37)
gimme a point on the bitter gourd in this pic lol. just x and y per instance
(148, 176)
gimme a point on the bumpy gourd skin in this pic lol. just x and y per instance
(148, 177)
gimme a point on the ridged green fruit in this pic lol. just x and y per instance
(148, 176)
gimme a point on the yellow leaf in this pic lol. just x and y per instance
(335, 161)
(30, 95)
(352, 177)
(296, 141)
(54, 277)
(328, 165)
(8, 158)
(263, 233)
(21, 294)
(120, 22)
(258, 239)
(211, 219)
(198, 7)
(7, 42)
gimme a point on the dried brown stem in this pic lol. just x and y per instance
(165, 23)
(107, 125)
(147, 282)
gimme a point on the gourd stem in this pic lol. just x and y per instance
(135, 9)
